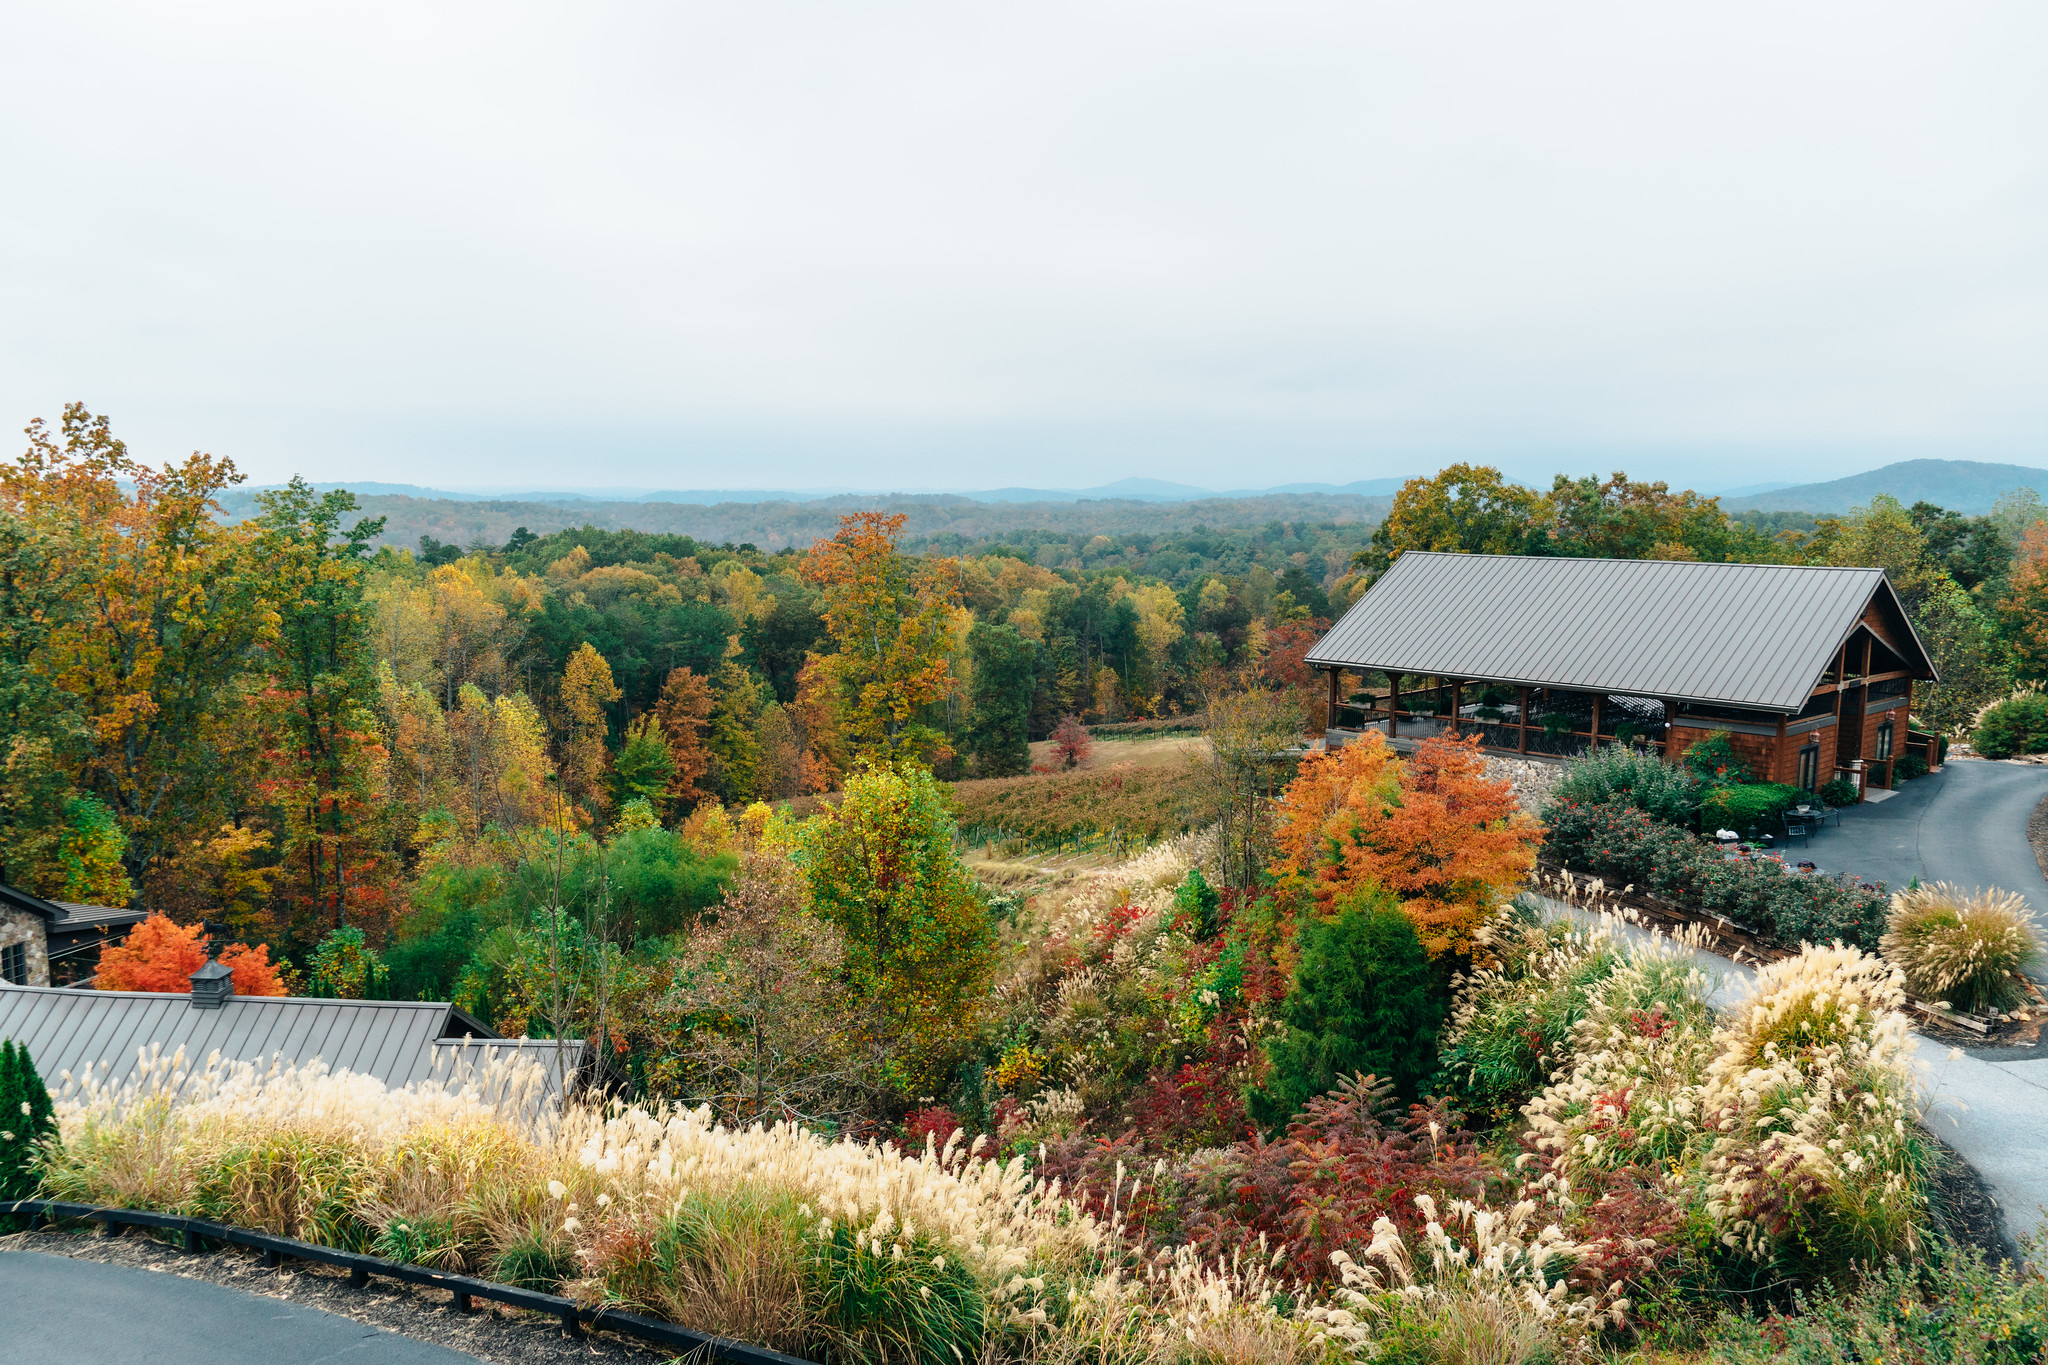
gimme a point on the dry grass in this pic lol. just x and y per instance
(1961, 947)
(1129, 805)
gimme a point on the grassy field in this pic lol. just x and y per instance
(1127, 794)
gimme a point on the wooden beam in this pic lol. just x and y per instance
(1393, 705)
(1330, 719)
(1523, 716)
(1594, 743)
(1457, 703)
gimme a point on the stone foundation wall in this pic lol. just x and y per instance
(19, 926)
(1529, 779)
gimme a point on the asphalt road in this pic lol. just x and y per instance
(1966, 823)
(56, 1311)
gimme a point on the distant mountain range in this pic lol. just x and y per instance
(1123, 490)
(1960, 485)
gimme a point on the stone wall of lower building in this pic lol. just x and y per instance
(19, 926)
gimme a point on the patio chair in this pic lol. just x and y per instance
(1798, 829)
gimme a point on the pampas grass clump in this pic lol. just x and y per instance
(1962, 947)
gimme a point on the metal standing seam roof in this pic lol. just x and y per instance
(1756, 635)
(393, 1040)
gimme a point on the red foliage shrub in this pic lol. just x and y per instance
(1201, 1103)
(937, 1123)
(1070, 740)
(1345, 1163)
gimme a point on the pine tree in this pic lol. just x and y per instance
(1005, 676)
(27, 1118)
(1365, 1000)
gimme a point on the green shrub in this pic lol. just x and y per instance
(1949, 1309)
(1665, 790)
(1744, 805)
(27, 1119)
(1365, 1000)
(1197, 902)
(1839, 792)
(1909, 767)
(2017, 725)
(1961, 947)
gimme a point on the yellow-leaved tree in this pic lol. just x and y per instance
(587, 689)
(891, 616)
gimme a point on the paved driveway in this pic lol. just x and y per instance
(1965, 824)
(53, 1309)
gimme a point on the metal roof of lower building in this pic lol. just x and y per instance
(1757, 635)
(396, 1041)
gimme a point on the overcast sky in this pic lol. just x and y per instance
(759, 244)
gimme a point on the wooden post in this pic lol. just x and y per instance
(1393, 705)
(1330, 720)
(1594, 742)
(1457, 703)
(1523, 717)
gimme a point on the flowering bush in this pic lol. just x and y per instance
(1622, 844)
(1960, 947)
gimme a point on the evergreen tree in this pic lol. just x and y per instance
(26, 1119)
(1005, 676)
(1365, 999)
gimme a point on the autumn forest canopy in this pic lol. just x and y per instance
(1011, 845)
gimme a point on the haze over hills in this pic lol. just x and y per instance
(784, 521)
(1960, 485)
(1129, 490)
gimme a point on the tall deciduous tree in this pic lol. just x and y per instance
(919, 943)
(1964, 648)
(161, 956)
(684, 712)
(319, 694)
(587, 689)
(167, 607)
(891, 617)
(1464, 507)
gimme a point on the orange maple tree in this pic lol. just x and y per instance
(1431, 829)
(159, 955)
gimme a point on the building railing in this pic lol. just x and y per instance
(574, 1316)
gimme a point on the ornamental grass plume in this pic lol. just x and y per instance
(1964, 948)
(1817, 1163)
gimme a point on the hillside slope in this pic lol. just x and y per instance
(1960, 485)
